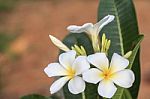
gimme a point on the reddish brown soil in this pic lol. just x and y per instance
(34, 21)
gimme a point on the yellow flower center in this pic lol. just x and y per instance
(70, 72)
(107, 74)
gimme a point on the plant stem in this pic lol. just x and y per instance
(83, 95)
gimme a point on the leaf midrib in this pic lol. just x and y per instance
(120, 37)
(119, 28)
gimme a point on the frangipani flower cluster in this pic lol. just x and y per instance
(74, 66)
(77, 70)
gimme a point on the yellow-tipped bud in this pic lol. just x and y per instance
(128, 54)
(58, 43)
(83, 50)
(72, 48)
(105, 44)
(103, 39)
(108, 45)
(80, 50)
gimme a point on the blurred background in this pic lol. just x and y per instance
(25, 48)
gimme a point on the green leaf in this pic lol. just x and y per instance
(135, 51)
(126, 95)
(34, 96)
(122, 32)
(134, 63)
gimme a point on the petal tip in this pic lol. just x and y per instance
(52, 92)
(111, 16)
(51, 37)
(46, 72)
(73, 28)
(69, 27)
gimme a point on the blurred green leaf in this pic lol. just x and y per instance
(7, 5)
(5, 41)
(34, 96)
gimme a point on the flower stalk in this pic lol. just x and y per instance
(95, 43)
(83, 95)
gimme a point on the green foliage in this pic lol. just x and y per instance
(123, 29)
(135, 66)
(127, 94)
(135, 51)
(36, 96)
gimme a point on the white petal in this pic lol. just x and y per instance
(58, 43)
(106, 88)
(107, 19)
(118, 63)
(87, 27)
(58, 84)
(67, 59)
(99, 60)
(80, 65)
(76, 85)
(92, 76)
(124, 78)
(55, 69)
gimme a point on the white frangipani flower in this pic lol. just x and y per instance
(69, 68)
(92, 30)
(109, 75)
(58, 43)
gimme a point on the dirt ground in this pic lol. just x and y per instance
(34, 21)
